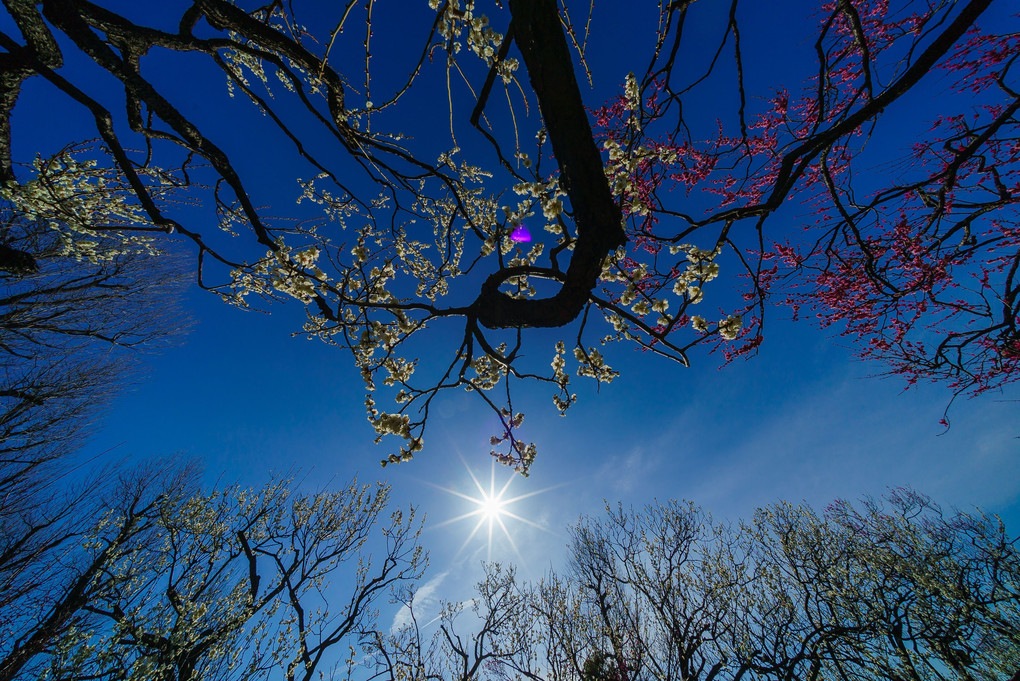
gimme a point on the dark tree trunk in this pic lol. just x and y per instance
(539, 36)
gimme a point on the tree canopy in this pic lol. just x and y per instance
(895, 588)
(161, 580)
(74, 314)
(183, 584)
(614, 219)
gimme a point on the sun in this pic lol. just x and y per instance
(491, 508)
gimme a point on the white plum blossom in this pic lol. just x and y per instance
(632, 92)
(705, 271)
(71, 194)
(592, 364)
(307, 257)
(552, 208)
(729, 328)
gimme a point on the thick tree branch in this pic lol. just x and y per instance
(539, 36)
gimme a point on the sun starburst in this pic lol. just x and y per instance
(491, 508)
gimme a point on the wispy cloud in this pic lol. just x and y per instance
(424, 599)
(627, 471)
(844, 439)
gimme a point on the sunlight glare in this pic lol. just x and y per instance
(491, 507)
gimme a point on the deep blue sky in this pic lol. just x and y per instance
(803, 420)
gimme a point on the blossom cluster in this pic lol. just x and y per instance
(456, 21)
(89, 206)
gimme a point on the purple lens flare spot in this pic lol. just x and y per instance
(520, 234)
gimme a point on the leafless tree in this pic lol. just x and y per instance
(892, 589)
(70, 328)
(72, 323)
(48, 590)
(174, 583)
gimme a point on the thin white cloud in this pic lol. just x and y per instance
(424, 599)
(626, 472)
(845, 439)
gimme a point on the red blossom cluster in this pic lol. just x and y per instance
(918, 267)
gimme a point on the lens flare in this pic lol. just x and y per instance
(520, 234)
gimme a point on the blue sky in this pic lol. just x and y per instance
(802, 421)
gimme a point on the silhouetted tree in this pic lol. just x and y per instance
(48, 591)
(70, 329)
(71, 325)
(897, 589)
(174, 583)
